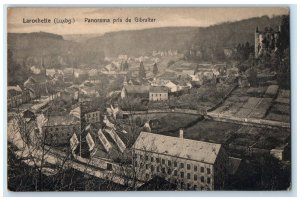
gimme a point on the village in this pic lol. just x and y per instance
(194, 125)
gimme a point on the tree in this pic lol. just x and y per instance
(142, 73)
(17, 73)
(155, 69)
(125, 66)
(283, 69)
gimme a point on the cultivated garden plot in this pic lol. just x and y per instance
(258, 103)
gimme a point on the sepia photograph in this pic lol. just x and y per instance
(148, 99)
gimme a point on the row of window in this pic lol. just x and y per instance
(174, 163)
(156, 95)
(92, 115)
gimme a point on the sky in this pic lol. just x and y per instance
(164, 17)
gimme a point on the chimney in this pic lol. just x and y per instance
(181, 133)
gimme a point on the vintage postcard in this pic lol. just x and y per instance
(148, 99)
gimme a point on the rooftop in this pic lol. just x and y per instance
(62, 120)
(137, 89)
(105, 145)
(13, 90)
(39, 77)
(158, 89)
(179, 147)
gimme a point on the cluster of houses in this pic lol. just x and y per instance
(155, 90)
(189, 163)
(181, 79)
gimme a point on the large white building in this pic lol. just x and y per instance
(191, 164)
(158, 93)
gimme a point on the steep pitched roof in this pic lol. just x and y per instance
(179, 147)
(62, 120)
(29, 81)
(13, 90)
(158, 89)
(16, 88)
(137, 89)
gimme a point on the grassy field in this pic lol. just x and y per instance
(205, 130)
(174, 122)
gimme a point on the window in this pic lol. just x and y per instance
(189, 186)
(175, 172)
(141, 157)
(135, 155)
(195, 187)
(181, 165)
(152, 168)
(175, 164)
(163, 170)
(188, 176)
(163, 161)
(195, 177)
(152, 159)
(146, 158)
(56, 129)
(157, 169)
(169, 163)
(188, 166)
(202, 179)
(208, 180)
(208, 170)
(182, 174)
(169, 171)
(202, 169)
(136, 164)
(147, 166)
(147, 176)
(195, 168)
(157, 160)
(109, 166)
